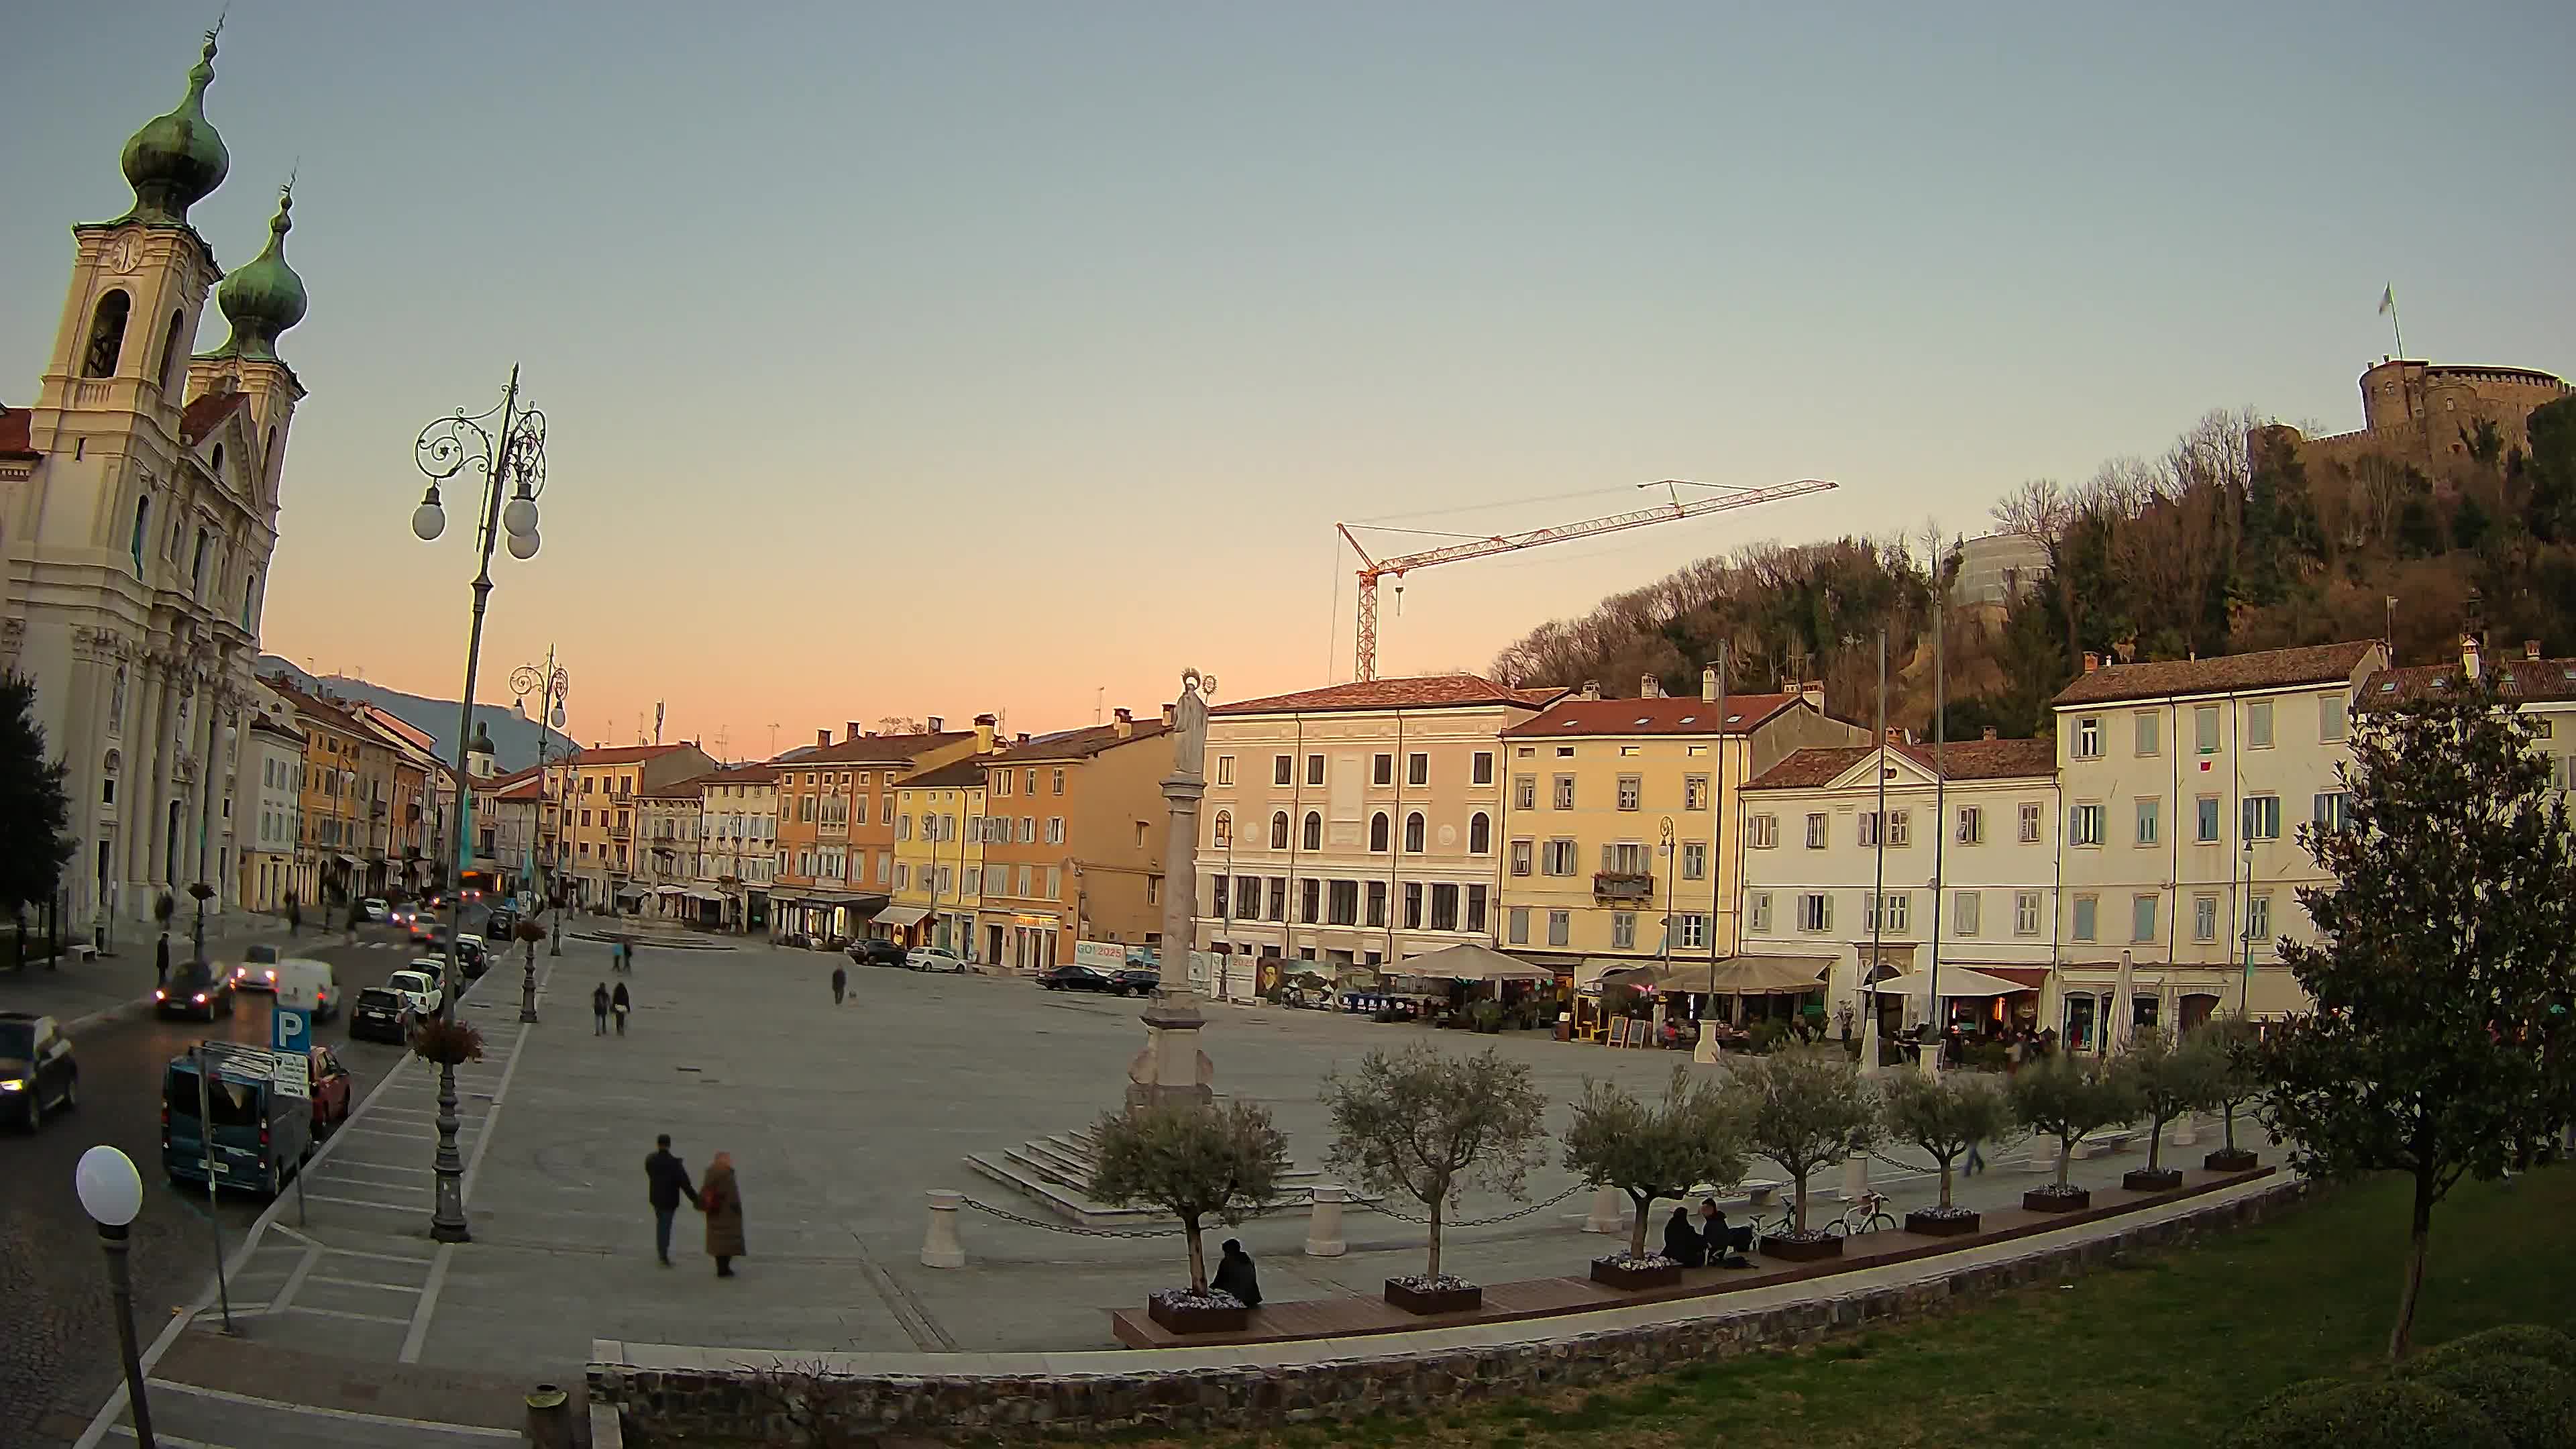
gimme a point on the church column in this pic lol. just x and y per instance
(145, 739)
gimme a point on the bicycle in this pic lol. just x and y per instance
(1868, 1214)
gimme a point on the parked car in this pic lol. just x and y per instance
(500, 924)
(934, 958)
(260, 1136)
(380, 1013)
(877, 953)
(37, 1072)
(422, 924)
(332, 1088)
(373, 908)
(1075, 977)
(420, 987)
(308, 985)
(472, 956)
(256, 970)
(194, 988)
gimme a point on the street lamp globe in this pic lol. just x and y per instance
(428, 521)
(519, 515)
(523, 545)
(111, 1191)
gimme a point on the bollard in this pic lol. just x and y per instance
(1855, 1177)
(1324, 1225)
(549, 1417)
(2186, 1131)
(940, 1247)
(1609, 1212)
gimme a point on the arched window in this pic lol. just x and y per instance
(250, 605)
(1279, 831)
(219, 463)
(1377, 831)
(1413, 833)
(142, 516)
(107, 335)
(197, 565)
(1224, 836)
(1314, 831)
(171, 353)
(1480, 833)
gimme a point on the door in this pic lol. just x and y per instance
(993, 938)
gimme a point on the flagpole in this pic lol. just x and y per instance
(2388, 304)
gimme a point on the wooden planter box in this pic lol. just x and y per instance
(1940, 1227)
(2231, 1159)
(2049, 1202)
(1195, 1318)
(1441, 1300)
(1611, 1273)
(1803, 1250)
(2162, 1179)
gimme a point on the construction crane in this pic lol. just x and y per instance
(1374, 569)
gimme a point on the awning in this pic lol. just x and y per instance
(630, 892)
(1468, 961)
(703, 894)
(1610, 971)
(1956, 981)
(1758, 976)
(668, 891)
(346, 859)
(902, 916)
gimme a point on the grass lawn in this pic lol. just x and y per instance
(2165, 1351)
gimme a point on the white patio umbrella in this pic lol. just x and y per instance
(2122, 1026)
(1869, 1034)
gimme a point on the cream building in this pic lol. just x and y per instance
(2184, 785)
(138, 510)
(737, 847)
(1357, 824)
(273, 757)
(1618, 814)
(595, 789)
(1962, 865)
(667, 821)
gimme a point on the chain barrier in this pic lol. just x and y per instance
(1520, 1212)
(1075, 1230)
(1071, 1228)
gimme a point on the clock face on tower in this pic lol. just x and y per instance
(124, 253)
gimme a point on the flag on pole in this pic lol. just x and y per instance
(2387, 300)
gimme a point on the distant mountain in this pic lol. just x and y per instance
(515, 737)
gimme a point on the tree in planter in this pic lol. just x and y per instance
(2444, 961)
(2170, 1076)
(2069, 1098)
(37, 842)
(1193, 1161)
(1652, 1150)
(1944, 1116)
(1804, 1110)
(1426, 1124)
(2231, 1042)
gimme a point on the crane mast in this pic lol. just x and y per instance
(1373, 569)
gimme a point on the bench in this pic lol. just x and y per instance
(1753, 1191)
(81, 951)
(2103, 1144)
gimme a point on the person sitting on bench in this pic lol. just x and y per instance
(1682, 1242)
(1720, 1238)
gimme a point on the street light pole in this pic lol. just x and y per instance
(516, 454)
(111, 1192)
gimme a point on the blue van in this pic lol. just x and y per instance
(262, 1132)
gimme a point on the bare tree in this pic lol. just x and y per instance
(2046, 512)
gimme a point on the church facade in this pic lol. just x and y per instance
(138, 512)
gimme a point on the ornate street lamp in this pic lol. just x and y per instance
(510, 456)
(551, 684)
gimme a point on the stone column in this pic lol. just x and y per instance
(940, 1245)
(1609, 1211)
(1324, 1227)
(1171, 1068)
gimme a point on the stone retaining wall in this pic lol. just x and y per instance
(659, 1405)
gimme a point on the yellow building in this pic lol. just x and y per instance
(1073, 846)
(938, 857)
(1620, 820)
(596, 790)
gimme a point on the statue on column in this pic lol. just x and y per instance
(1171, 1067)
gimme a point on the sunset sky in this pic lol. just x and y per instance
(935, 359)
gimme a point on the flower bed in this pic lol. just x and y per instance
(1651, 1271)
(2162, 1179)
(1940, 1222)
(2055, 1199)
(1810, 1246)
(1442, 1294)
(1183, 1311)
(2230, 1159)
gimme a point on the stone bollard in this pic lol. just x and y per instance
(1609, 1212)
(1855, 1177)
(1324, 1225)
(549, 1417)
(2186, 1131)
(941, 1247)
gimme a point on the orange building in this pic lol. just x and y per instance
(1073, 833)
(836, 823)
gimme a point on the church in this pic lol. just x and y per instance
(138, 510)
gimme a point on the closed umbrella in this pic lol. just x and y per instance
(2117, 1031)
(1869, 1034)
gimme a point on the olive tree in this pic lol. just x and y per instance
(2232, 1044)
(1651, 1150)
(1426, 1124)
(1804, 1110)
(1944, 1115)
(2171, 1075)
(1195, 1162)
(2067, 1097)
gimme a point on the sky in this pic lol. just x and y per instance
(942, 359)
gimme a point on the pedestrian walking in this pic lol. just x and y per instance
(620, 1004)
(161, 961)
(599, 1009)
(666, 1181)
(1976, 1158)
(721, 1201)
(294, 915)
(840, 983)
(1235, 1275)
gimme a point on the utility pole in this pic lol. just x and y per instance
(1878, 839)
(1940, 794)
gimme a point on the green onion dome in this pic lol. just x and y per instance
(176, 160)
(265, 297)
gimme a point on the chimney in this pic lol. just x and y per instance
(1023, 738)
(2468, 656)
(935, 725)
(850, 731)
(1708, 685)
(822, 737)
(2531, 649)
(1649, 687)
(2092, 661)
(1813, 692)
(1895, 735)
(1592, 689)
(985, 728)
(2125, 650)
(1989, 734)
(1123, 722)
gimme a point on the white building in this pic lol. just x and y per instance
(272, 756)
(138, 509)
(737, 847)
(1964, 871)
(2184, 785)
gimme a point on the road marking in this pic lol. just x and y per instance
(337, 1313)
(295, 1280)
(380, 1257)
(322, 1412)
(170, 1439)
(483, 1139)
(427, 1307)
(363, 1283)
(390, 1207)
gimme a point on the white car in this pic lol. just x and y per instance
(371, 909)
(257, 969)
(419, 987)
(934, 958)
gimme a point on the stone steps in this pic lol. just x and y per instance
(1055, 1172)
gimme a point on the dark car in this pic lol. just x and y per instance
(379, 1014)
(1091, 978)
(878, 953)
(472, 957)
(194, 988)
(37, 1073)
(499, 924)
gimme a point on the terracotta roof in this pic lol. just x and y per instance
(624, 754)
(263, 722)
(330, 712)
(15, 439)
(688, 789)
(955, 775)
(530, 788)
(755, 774)
(1661, 716)
(511, 778)
(2535, 679)
(876, 749)
(2222, 674)
(202, 415)
(1435, 691)
(1965, 760)
(1079, 744)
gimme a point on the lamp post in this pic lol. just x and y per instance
(552, 685)
(511, 457)
(111, 1192)
(197, 928)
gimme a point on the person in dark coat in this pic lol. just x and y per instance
(722, 1203)
(840, 983)
(666, 1181)
(1234, 1275)
(599, 1009)
(161, 961)
(620, 1003)
(1682, 1242)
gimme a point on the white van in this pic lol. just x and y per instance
(308, 985)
